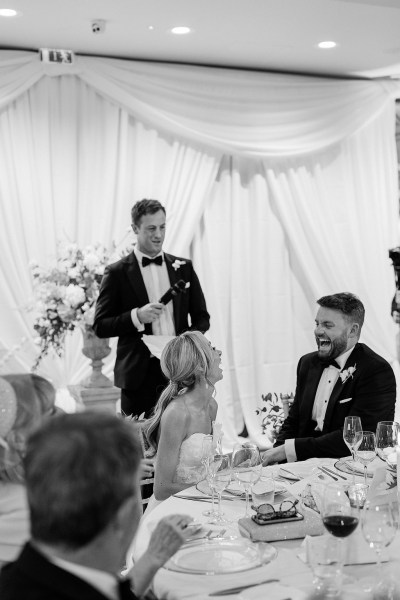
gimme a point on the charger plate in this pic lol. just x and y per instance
(343, 465)
(234, 489)
(215, 557)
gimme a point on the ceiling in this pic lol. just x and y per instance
(279, 35)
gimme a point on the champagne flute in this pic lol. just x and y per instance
(220, 477)
(337, 514)
(352, 435)
(378, 525)
(366, 451)
(206, 454)
(386, 438)
(246, 467)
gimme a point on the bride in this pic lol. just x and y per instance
(184, 413)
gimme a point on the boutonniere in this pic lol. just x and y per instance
(347, 373)
(178, 263)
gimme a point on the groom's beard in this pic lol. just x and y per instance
(334, 349)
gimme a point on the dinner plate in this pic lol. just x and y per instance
(346, 465)
(213, 557)
(234, 489)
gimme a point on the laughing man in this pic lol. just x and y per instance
(342, 378)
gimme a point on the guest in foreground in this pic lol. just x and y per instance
(128, 306)
(185, 412)
(344, 377)
(25, 400)
(82, 478)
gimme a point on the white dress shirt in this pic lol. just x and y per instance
(329, 377)
(156, 282)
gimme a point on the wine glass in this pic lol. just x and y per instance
(337, 514)
(366, 451)
(378, 525)
(246, 467)
(219, 467)
(386, 438)
(206, 453)
(352, 435)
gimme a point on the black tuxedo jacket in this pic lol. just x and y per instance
(33, 577)
(122, 289)
(370, 393)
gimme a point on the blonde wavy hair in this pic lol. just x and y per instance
(185, 360)
(35, 397)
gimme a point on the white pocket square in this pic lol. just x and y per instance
(345, 400)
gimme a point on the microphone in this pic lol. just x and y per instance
(174, 290)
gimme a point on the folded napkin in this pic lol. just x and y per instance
(289, 530)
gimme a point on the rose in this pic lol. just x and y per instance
(74, 295)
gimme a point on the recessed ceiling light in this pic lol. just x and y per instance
(150, 27)
(181, 30)
(326, 44)
(8, 12)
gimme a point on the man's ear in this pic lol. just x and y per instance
(355, 330)
(135, 228)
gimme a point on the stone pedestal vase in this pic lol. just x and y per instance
(96, 349)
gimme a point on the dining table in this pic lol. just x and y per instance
(282, 572)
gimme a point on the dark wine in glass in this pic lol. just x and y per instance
(340, 525)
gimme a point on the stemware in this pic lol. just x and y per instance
(337, 514)
(386, 438)
(206, 454)
(366, 451)
(378, 525)
(352, 434)
(220, 471)
(246, 467)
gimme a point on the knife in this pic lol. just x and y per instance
(240, 588)
(334, 473)
(328, 473)
(201, 498)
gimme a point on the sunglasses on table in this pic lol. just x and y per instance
(267, 512)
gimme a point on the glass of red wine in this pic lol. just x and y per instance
(338, 517)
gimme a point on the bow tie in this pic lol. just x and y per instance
(331, 362)
(147, 261)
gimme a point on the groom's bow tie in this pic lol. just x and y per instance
(147, 261)
(331, 362)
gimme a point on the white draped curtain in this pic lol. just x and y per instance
(281, 188)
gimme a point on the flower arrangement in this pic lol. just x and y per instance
(273, 415)
(66, 293)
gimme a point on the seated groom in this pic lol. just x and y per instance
(82, 477)
(342, 378)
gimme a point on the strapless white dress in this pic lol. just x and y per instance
(189, 469)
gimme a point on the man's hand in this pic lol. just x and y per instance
(150, 312)
(167, 538)
(274, 455)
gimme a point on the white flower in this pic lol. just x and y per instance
(74, 295)
(91, 261)
(177, 263)
(347, 373)
(88, 316)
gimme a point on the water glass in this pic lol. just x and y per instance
(325, 555)
(352, 435)
(263, 492)
(246, 467)
(357, 493)
(366, 451)
(386, 438)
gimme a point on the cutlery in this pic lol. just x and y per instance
(334, 473)
(201, 498)
(241, 588)
(328, 473)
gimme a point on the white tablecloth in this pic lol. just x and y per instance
(287, 566)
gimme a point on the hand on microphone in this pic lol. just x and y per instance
(150, 312)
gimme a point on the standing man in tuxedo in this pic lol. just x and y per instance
(128, 306)
(342, 378)
(82, 474)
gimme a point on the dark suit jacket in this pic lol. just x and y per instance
(122, 289)
(33, 577)
(372, 394)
